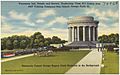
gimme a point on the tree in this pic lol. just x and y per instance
(37, 35)
(112, 38)
(23, 44)
(3, 43)
(24, 41)
(117, 39)
(103, 39)
(41, 44)
(55, 40)
(37, 40)
(9, 45)
(63, 41)
(46, 43)
(16, 44)
(34, 41)
(31, 43)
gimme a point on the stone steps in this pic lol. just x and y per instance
(83, 44)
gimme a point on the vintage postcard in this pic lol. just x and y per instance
(59, 37)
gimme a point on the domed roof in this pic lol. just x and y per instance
(90, 18)
(78, 19)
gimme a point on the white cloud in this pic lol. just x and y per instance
(102, 15)
(62, 33)
(19, 16)
(29, 23)
(3, 17)
(104, 29)
(40, 21)
(47, 13)
(59, 30)
(26, 32)
(60, 20)
(6, 28)
(111, 13)
(93, 10)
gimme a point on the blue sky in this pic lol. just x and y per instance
(21, 20)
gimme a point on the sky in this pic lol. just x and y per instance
(18, 19)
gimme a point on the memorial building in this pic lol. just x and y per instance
(82, 31)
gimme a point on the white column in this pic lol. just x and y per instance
(69, 34)
(83, 33)
(72, 34)
(97, 33)
(93, 33)
(75, 34)
(89, 33)
(78, 34)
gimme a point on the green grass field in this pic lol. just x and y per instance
(111, 63)
(27, 65)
